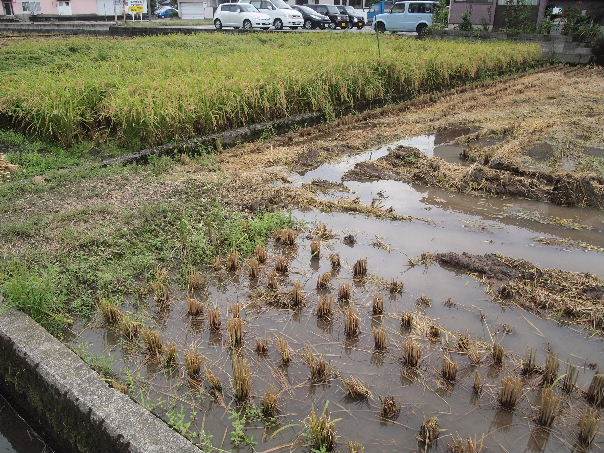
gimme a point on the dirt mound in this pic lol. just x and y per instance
(495, 178)
(564, 295)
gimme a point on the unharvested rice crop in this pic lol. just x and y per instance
(151, 90)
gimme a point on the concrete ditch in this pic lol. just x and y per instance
(67, 402)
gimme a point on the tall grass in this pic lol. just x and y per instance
(155, 89)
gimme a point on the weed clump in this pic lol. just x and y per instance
(129, 327)
(111, 312)
(412, 353)
(325, 307)
(321, 430)
(377, 307)
(334, 259)
(511, 387)
(356, 389)
(270, 404)
(193, 362)
(548, 409)
(261, 254)
(194, 307)
(433, 333)
(235, 331)
(428, 432)
(380, 339)
(424, 300)
(261, 347)
(242, 378)
(390, 408)
(153, 342)
(352, 322)
(359, 270)
(345, 292)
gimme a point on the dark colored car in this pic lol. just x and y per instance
(355, 18)
(311, 18)
(338, 20)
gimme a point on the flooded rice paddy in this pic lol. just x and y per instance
(456, 306)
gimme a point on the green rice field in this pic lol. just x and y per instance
(151, 90)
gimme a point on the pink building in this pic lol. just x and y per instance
(59, 7)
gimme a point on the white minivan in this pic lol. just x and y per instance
(240, 16)
(406, 16)
(281, 13)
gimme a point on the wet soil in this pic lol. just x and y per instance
(497, 178)
(424, 221)
(579, 297)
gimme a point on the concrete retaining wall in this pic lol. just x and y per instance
(68, 403)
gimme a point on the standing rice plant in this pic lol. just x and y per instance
(352, 322)
(511, 388)
(377, 307)
(412, 353)
(315, 248)
(449, 369)
(550, 371)
(588, 427)
(380, 339)
(193, 363)
(324, 280)
(334, 259)
(297, 295)
(595, 391)
(529, 363)
(261, 254)
(548, 407)
(235, 331)
(214, 319)
(270, 404)
(153, 342)
(325, 307)
(110, 311)
(345, 292)
(570, 378)
(242, 378)
(497, 353)
(429, 431)
(359, 270)
(284, 350)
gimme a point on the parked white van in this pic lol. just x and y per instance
(406, 16)
(240, 16)
(281, 13)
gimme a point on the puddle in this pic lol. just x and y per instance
(456, 222)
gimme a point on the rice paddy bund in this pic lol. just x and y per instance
(151, 90)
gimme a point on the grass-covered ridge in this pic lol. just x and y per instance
(155, 89)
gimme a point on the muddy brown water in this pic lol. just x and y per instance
(448, 222)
